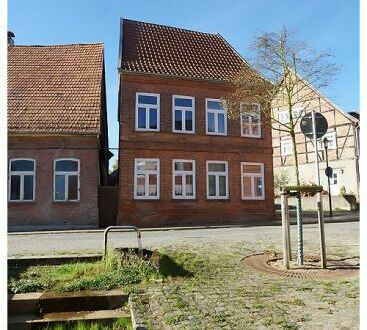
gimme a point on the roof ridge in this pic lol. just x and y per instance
(172, 27)
(61, 45)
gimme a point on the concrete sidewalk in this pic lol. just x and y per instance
(309, 217)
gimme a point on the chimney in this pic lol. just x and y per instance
(11, 37)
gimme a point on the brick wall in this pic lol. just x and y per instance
(44, 211)
(166, 146)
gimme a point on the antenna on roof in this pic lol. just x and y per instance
(11, 37)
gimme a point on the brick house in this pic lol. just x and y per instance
(181, 160)
(343, 145)
(57, 135)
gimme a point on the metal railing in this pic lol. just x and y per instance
(121, 228)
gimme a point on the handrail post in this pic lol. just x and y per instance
(108, 229)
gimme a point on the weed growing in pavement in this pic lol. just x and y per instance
(123, 323)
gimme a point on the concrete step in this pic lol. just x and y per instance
(30, 322)
(82, 301)
(24, 303)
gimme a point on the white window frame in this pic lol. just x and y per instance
(332, 140)
(66, 174)
(184, 110)
(252, 114)
(22, 173)
(146, 174)
(252, 176)
(282, 140)
(147, 112)
(215, 112)
(183, 175)
(217, 180)
(285, 113)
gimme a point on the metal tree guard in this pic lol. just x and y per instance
(295, 191)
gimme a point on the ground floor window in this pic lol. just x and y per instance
(66, 180)
(252, 176)
(22, 179)
(146, 179)
(183, 179)
(217, 179)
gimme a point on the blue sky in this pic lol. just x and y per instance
(324, 24)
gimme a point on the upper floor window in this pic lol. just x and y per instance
(286, 146)
(183, 114)
(66, 180)
(146, 178)
(147, 112)
(283, 116)
(250, 121)
(331, 137)
(216, 117)
(252, 181)
(183, 179)
(22, 179)
(217, 179)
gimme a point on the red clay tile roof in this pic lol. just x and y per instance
(55, 89)
(159, 49)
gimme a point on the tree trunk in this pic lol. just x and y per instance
(295, 155)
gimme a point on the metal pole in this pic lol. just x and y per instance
(316, 148)
(285, 214)
(300, 230)
(319, 195)
(328, 182)
(321, 228)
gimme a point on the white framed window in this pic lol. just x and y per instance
(217, 179)
(283, 116)
(22, 176)
(286, 147)
(331, 136)
(147, 112)
(251, 121)
(183, 179)
(252, 180)
(216, 117)
(183, 114)
(146, 178)
(66, 180)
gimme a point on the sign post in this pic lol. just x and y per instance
(314, 125)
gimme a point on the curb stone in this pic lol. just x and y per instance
(137, 318)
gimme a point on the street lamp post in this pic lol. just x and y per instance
(326, 141)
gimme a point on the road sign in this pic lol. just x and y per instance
(329, 172)
(321, 125)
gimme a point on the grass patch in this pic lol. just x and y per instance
(122, 323)
(106, 274)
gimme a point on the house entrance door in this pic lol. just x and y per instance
(335, 183)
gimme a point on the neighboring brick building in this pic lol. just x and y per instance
(181, 161)
(343, 150)
(57, 135)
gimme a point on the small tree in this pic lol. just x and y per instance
(114, 166)
(285, 69)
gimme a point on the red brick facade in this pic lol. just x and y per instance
(166, 145)
(44, 211)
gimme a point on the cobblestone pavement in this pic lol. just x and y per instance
(222, 292)
(225, 294)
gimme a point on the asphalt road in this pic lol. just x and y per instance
(338, 235)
